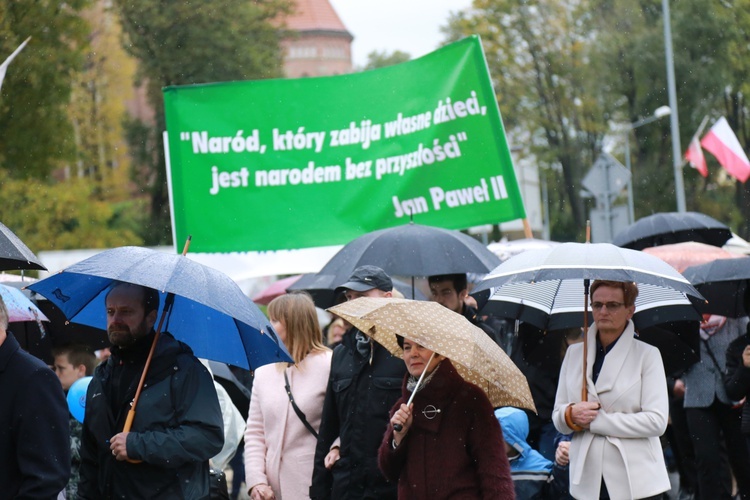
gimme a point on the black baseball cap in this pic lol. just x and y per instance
(366, 278)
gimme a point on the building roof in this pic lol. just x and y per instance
(314, 15)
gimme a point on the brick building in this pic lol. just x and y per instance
(321, 44)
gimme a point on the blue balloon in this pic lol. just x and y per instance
(77, 397)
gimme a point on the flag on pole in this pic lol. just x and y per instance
(694, 156)
(724, 145)
(4, 66)
(694, 153)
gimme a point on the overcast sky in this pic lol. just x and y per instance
(411, 26)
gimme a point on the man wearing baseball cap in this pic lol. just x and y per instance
(363, 385)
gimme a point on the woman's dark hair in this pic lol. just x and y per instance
(400, 341)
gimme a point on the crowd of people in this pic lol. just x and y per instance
(349, 420)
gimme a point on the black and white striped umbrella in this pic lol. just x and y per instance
(587, 261)
(541, 283)
(558, 304)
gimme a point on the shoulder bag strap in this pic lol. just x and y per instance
(711, 355)
(299, 412)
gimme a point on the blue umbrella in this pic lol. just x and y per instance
(210, 313)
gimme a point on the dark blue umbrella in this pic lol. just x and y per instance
(210, 313)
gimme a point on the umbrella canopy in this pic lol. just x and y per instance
(20, 308)
(507, 249)
(476, 357)
(587, 261)
(275, 289)
(210, 312)
(689, 253)
(322, 289)
(14, 254)
(664, 317)
(725, 285)
(673, 227)
(558, 304)
(412, 250)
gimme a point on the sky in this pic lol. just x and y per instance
(411, 26)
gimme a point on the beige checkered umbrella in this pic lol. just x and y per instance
(476, 357)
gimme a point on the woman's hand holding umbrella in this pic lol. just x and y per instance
(584, 412)
(401, 422)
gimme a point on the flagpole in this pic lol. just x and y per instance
(6, 63)
(679, 186)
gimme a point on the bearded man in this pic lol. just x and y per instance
(177, 426)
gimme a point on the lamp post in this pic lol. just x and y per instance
(660, 112)
(679, 185)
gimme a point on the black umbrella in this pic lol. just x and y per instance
(322, 289)
(673, 227)
(724, 283)
(14, 254)
(410, 250)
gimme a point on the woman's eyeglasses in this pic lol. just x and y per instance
(611, 306)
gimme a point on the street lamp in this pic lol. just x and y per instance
(660, 112)
(679, 184)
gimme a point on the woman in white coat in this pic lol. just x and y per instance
(615, 451)
(279, 446)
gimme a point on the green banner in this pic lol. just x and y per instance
(283, 164)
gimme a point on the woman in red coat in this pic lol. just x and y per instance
(450, 445)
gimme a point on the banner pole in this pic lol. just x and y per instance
(527, 233)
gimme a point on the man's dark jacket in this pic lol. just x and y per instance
(737, 377)
(358, 399)
(177, 426)
(493, 327)
(34, 435)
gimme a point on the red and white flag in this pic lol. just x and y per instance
(6, 63)
(721, 142)
(694, 156)
(694, 153)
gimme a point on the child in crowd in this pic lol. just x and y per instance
(534, 477)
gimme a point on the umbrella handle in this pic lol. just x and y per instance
(131, 412)
(398, 427)
(584, 385)
(126, 428)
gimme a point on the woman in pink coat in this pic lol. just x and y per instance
(279, 447)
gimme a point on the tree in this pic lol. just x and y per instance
(35, 130)
(180, 43)
(567, 73)
(631, 56)
(62, 216)
(538, 55)
(735, 106)
(98, 109)
(376, 59)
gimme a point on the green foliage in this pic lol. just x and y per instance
(182, 43)
(35, 130)
(63, 216)
(538, 54)
(566, 71)
(376, 59)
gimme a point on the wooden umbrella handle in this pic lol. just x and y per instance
(584, 384)
(167, 306)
